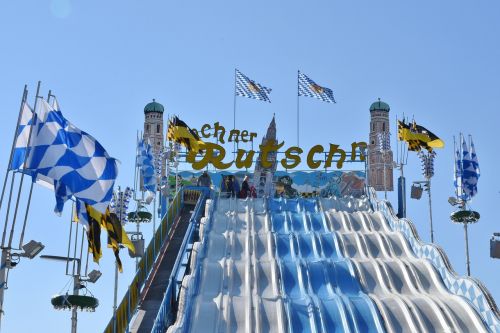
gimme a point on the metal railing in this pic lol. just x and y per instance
(129, 303)
(165, 314)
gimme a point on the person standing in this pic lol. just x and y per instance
(245, 188)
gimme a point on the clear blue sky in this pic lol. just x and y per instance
(435, 60)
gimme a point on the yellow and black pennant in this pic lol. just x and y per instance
(418, 137)
(178, 131)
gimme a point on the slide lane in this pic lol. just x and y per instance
(408, 291)
(319, 286)
(234, 286)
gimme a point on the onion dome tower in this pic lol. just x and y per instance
(263, 177)
(380, 160)
(153, 129)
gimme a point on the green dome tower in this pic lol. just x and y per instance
(380, 166)
(153, 128)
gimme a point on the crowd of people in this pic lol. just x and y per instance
(231, 188)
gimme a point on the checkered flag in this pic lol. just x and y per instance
(249, 88)
(308, 87)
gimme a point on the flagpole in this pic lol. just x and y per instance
(430, 209)
(28, 204)
(6, 251)
(23, 100)
(115, 296)
(298, 73)
(234, 114)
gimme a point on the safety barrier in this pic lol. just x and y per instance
(191, 196)
(469, 288)
(165, 314)
(128, 305)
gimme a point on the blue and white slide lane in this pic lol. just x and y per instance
(307, 265)
(319, 287)
(408, 291)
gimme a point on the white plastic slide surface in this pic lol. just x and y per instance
(408, 291)
(312, 265)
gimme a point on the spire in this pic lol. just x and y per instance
(271, 131)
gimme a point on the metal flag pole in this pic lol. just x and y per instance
(14, 218)
(76, 285)
(298, 73)
(428, 171)
(119, 202)
(463, 215)
(430, 208)
(23, 100)
(401, 161)
(234, 116)
(28, 204)
(467, 259)
(115, 297)
(6, 250)
(385, 176)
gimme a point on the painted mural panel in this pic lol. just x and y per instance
(286, 184)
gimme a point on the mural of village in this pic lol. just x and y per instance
(285, 184)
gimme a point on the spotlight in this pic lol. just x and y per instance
(94, 276)
(416, 192)
(31, 249)
(495, 245)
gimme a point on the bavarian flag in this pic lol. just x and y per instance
(179, 132)
(245, 87)
(418, 137)
(308, 87)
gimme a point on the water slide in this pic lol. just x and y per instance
(315, 265)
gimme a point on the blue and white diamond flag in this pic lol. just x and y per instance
(308, 87)
(22, 136)
(145, 162)
(470, 170)
(249, 88)
(458, 174)
(73, 161)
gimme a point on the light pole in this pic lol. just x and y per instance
(119, 206)
(465, 182)
(384, 145)
(63, 301)
(427, 160)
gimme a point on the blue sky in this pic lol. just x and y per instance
(436, 61)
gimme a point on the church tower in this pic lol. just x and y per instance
(263, 177)
(153, 129)
(378, 161)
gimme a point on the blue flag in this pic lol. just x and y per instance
(60, 154)
(145, 162)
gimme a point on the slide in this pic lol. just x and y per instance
(313, 265)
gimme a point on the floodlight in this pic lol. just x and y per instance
(32, 248)
(149, 198)
(495, 245)
(453, 201)
(416, 192)
(94, 276)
